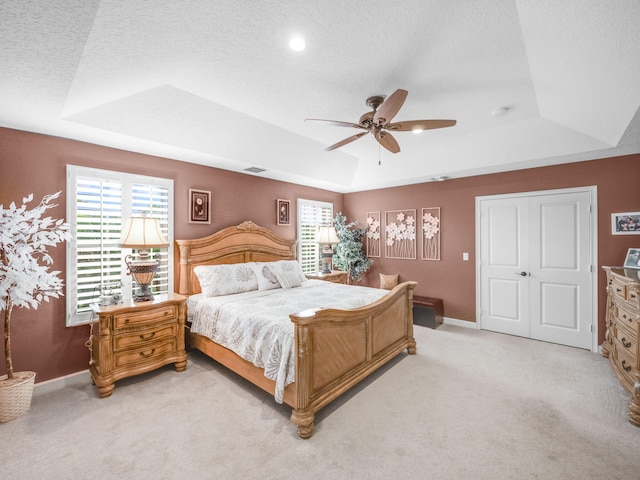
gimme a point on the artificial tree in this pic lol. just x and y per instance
(349, 255)
(25, 279)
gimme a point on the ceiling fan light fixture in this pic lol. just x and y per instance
(297, 43)
(379, 122)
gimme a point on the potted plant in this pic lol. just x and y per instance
(25, 281)
(350, 256)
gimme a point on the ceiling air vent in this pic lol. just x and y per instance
(254, 170)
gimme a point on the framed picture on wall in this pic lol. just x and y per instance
(627, 223)
(199, 206)
(633, 258)
(283, 208)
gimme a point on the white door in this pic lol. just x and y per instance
(535, 277)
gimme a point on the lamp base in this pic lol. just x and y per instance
(144, 295)
(327, 258)
(143, 272)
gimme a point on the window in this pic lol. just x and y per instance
(98, 203)
(311, 215)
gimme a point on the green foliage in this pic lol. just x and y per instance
(349, 253)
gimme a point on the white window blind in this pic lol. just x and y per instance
(311, 215)
(98, 203)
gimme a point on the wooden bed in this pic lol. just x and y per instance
(335, 349)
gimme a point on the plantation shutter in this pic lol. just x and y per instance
(98, 203)
(311, 215)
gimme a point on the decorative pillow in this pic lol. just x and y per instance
(388, 281)
(288, 279)
(218, 280)
(290, 266)
(266, 276)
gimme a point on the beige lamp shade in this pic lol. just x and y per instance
(327, 236)
(143, 232)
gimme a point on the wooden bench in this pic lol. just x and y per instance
(436, 304)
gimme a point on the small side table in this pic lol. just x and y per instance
(135, 338)
(420, 303)
(336, 276)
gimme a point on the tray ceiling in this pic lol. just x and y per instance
(529, 83)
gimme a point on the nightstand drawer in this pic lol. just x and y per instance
(152, 315)
(150, 335)
(144, 353)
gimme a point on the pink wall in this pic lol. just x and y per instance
(453, 279)
(37, 163)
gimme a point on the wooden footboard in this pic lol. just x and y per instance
(335, 349)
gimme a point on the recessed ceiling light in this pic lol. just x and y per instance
(417, 130)
(297, 43)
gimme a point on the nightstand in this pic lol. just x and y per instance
(134, 338)
(336, 276)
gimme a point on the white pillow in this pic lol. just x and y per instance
(290, 266)
(288, 279)
(218, 280)
(265, 275)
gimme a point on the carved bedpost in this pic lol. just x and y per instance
(184, 286)
(411, 348)
(303, 416)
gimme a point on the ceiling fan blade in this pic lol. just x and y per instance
(390, 107)
(387, 141)
(336, 123)
(342, 143)
(410, 125)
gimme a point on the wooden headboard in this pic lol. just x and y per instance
(246, 242)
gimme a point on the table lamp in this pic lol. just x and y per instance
(143, 233)
(327, 236)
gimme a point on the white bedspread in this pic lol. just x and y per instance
(256, 325)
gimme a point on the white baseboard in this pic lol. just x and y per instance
(460, 323)
(48, 386)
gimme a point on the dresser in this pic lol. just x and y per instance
(621, 343)
(336, 276)
(134, 338)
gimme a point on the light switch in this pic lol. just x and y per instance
(465, 256)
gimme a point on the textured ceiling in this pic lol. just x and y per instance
(530, 83)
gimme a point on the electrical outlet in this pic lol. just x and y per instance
(465, 256)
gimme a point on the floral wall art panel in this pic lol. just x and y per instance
(400, 232)
(431, 233)
(373, 234)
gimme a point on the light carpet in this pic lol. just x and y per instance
(470, 405)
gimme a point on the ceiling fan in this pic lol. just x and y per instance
(378, 122)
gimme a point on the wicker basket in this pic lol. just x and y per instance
(15, 395)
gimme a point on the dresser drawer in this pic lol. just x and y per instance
(626, 368)
(152, 315)
(126, 340)
(146, 353)
(619, 289)
(628, 346)
(629, 319)
(633, 297)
